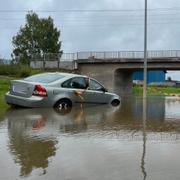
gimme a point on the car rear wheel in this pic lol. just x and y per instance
(115, 102)
(63, 104)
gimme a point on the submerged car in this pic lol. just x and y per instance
(59, 90)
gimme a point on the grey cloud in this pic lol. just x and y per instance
(96, 31)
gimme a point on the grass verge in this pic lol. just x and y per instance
(24, 71)
(156, 90)
(4, 85)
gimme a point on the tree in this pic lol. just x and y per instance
(38, 36)
(169, 78)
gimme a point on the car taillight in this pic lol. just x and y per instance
(39, 91)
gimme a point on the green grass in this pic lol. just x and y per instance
(154, 90)
(4, 85)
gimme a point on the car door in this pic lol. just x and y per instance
(96, 93)
(75, 89)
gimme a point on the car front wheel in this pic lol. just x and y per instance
(115, 102)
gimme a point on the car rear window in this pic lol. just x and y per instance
(44, 78)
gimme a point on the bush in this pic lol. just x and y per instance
(15, 70)
(24, 71)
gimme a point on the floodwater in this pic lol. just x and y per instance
(93, 142)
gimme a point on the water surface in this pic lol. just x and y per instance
(93, 142)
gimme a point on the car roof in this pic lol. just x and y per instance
(65, 74)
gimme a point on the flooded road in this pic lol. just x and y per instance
(93, 143)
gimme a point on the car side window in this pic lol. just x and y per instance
(76, 82)
(94, 85)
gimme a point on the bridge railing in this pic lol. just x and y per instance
(167, 53)
(128, 54)
(109, 55)
(3, 61)
(68, 57)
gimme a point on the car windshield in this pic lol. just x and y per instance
(44, 78)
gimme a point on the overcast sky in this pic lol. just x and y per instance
(98, 30)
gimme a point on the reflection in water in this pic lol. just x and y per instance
(34, 133)
(172, 108)
(78, 122)
(30, 152)
(144, 138)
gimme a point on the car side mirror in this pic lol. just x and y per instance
(104, 89)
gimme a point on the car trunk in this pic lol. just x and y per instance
(21, 88)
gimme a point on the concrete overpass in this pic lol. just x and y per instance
(114, 69)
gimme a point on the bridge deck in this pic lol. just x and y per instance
(165, 60)
(130, 60)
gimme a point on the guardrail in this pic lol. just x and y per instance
(128, 54)
(107, 55)
(2, 61)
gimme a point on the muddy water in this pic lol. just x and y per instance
(93, 143)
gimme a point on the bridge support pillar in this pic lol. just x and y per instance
(123, 82)
(104, 74)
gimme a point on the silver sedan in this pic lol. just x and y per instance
(59, 90)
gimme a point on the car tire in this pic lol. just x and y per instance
(115, 102)
(63, 104)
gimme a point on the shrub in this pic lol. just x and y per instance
(24, 71)
(15, 70)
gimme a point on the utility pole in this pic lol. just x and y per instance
(144, 94)
(145, 52)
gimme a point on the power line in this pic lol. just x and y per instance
(103, 17)
(91, 10)
(163, 17)
(103, 26)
